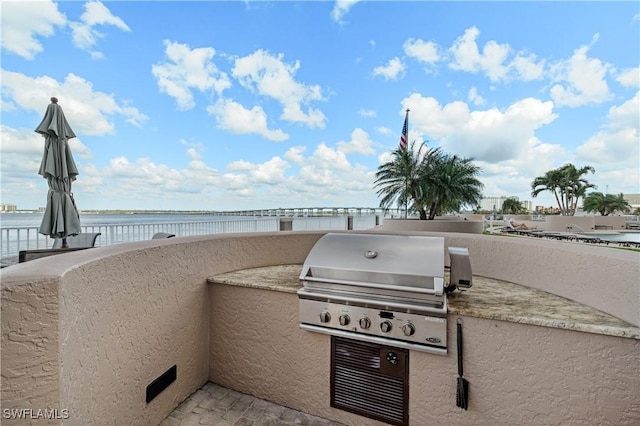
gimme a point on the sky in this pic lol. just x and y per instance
(236, 105)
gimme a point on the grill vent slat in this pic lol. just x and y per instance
(363, 382)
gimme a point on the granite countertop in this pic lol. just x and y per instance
(488, 298)
(284, 278)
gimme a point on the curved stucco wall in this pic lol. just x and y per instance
(584, 223)
(519, 374)
(89, 330)
(438, 225)
(601, 277)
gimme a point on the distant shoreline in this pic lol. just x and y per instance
(122, 212)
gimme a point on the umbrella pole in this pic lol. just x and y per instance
(64, 243)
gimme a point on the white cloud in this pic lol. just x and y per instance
(392, 71)
(188, 69)
(491, 135)
(194, 149)
(494, 59)
(467, 56)
(614, 153)
(146, 179)
(528, 68)
(326, 175)
(85, 34)
(618, 142)
(271, 172)
(234, 117)
(475, 97)
(23, 22)
(340, 181)
(270, 76)
(341, 8)
(295, 155)
(366, 113)
(88, 111)
(423, 51)
(629, 77)
(580, 80)
(359, 144)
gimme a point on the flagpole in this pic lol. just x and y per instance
(406, 183)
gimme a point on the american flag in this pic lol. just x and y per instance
(405, 130)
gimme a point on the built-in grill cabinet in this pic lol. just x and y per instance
(371, 380)
(384, 289)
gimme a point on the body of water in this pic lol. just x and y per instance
(618, 236)
(19, 220)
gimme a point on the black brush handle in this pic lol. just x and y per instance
(459, 336)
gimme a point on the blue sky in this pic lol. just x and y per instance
(214, 105)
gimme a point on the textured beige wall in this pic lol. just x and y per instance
(87, 331)
(518, 374)
(29, 355)
(586, 223)
(527, 375)
(440, 225)
(258, 348)
(602, 277)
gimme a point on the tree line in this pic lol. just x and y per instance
(430, 182)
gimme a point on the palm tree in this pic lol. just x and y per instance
(567, 185)
(576, 185)
(450, 183)
(605, 204)
(399, 180)
(511, 205)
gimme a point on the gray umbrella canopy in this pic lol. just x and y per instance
(61, 217)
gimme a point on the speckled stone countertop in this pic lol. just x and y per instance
(488, 298)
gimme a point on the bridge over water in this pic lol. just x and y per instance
(315, 211)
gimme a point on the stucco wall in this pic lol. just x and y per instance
(439, 225)
(88, 331)
(584, 223)
(29, 354)
(602, 277)
(518, 374)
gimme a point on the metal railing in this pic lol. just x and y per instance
(15, 239)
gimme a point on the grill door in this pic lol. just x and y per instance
(370, 380)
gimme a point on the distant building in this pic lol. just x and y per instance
(632, 199)
(8, 207)
(488, 203)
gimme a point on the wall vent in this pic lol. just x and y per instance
(161, 383)
(370, 380)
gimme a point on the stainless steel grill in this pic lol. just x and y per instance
(386, 289)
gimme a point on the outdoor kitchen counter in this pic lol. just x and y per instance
(488, 298)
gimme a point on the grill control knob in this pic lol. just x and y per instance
(365, 323)
(386, 326)
(344, 319)
(325, 316)
(408, 329)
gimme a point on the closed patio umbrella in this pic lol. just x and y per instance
(61, 218)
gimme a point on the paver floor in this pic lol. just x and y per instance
(218, 406)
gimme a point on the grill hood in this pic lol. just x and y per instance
(410, 267)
